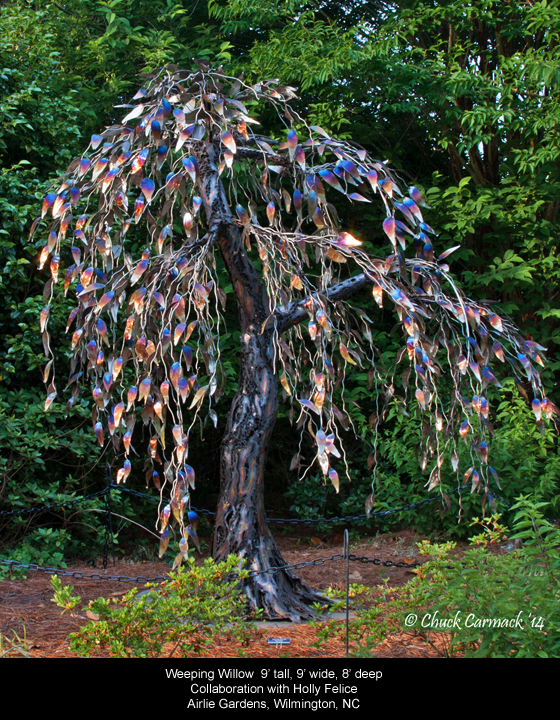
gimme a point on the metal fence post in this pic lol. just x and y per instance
(108, 521)
(347, 556)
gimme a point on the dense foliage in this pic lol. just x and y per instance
(177, 617)
(461, 97)
(490, 602)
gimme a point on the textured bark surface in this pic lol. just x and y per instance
(241, 526)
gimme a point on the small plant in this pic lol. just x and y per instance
(358, 594)
(172, 618)
(320, 608)
(492, 531)
(14, 645)
(63, 595)
(337, 598)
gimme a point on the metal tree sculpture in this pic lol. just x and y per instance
(146, 330)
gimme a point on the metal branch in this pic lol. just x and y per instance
(341, 291)
(251, 154)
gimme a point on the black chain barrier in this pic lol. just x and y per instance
(333, 520)
(109, 537)
(106, 492)
(319, 521)
(43, 508)
(79, 575)
(286, 521)
(142, 578)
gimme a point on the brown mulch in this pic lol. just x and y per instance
(31, 624)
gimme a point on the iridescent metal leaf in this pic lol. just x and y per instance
(336, 256)
(191, 167)
(99, 167)
(164, 542)
(131, 397)
(420, 396)
(84, 166)
(50, 399)
(190, 328)
(318, 218)
(323, 319)
(188, 222)
(292, 142)
(331, 179)
(348, 240)
(389, 227)
(296, 282)
(346, 355)
(161, 155)
(144, 389)
(198, 396)
(147, 186)
(310, 406)
(475, 369)
(243, 215)
(333, 477)
(270, 212)
(489, 375)
(134, 113)
(179, 330)
(299, 154)
(298, 203)
(124, 472)
(227, 139)
(155, 129)
(358, 198)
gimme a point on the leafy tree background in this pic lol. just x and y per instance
(461, 98)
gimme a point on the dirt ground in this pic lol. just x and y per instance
(32, 625)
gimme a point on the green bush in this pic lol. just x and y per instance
(488, 605)
(178, 616)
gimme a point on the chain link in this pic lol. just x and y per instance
(385, 563)
(334, 558)
(80, 575)
(316, 521)
(42, 508)
(142, 578)
(279, 521)
(317, 561)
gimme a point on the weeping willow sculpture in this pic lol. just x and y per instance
(186, 178)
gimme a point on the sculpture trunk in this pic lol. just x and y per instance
(241, 526)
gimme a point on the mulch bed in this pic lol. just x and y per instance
(27, 613)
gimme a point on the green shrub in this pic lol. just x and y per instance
(488, 605)
(175, 617)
